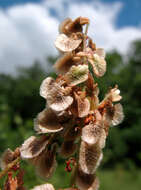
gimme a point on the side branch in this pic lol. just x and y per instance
(9, 167)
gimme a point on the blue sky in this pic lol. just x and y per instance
(28, 28)
(129, 15)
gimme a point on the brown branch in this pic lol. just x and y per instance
(14, 162)
(9, 167)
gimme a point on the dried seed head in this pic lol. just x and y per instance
(92, 132)
(6, 158)
(61, 102)
(47, 122)
(113, 115)
(99, 160)
(86, 181)
(91, 44)
(64, 63)
(118, 114)
(83, 106)
(54, 94)
(68, 148)
(102, 139)
(66, 44)
(76, 25)
(68, 26)
(82, 20)
(89, 157)
(46, 164)
(98, 64)
(62, 114)
(33, 146)
(47, 85)
(44, 187)
(63, 27)
(96, 59)
(77, 75)
(100, 52)
(107, 118)
(114, 95)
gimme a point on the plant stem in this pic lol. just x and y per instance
(86, 30)
(13, 163)
(9, 167)
(85, 36)
(84, 41)
(73, 175)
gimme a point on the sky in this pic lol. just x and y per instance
(28, 28)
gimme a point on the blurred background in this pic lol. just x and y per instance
(28, 29)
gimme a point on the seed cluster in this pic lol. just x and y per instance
(73, 112)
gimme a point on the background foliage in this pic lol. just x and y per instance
(20, 102)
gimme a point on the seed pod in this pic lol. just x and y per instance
(56, 99)
(83, 106)
(46, 164)
(96, 59)
(63, 27)
(66, 44)
(98, 64)
(114, 95)
(47, 122)
(68, 26)
(113, 115)
(118, 114)
(77, 75)
(102, 139)
(86, 181)
(100, 52)
(46, 186)
(64, 63)
(33, 146)
(89, 157)
(92, 132)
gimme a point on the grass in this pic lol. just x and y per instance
(119, 180)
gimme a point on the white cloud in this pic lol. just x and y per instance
(28, 31)
(103, 18)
